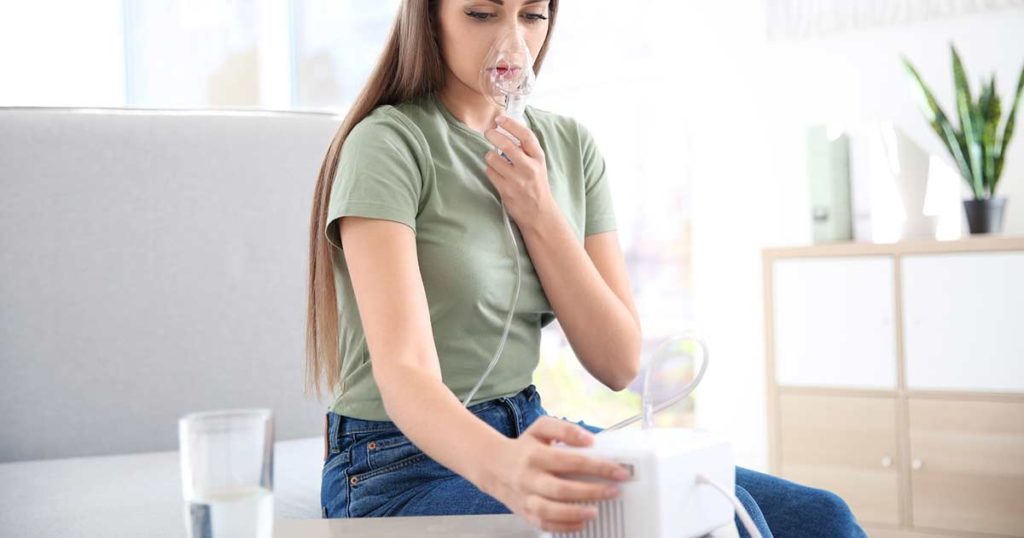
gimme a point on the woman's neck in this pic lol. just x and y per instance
(468, 105)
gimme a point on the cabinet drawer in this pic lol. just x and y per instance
(963, 321)
(847, 445)
(833, 322)
(967, 465)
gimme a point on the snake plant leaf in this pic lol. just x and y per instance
(969, 124)
(937, 119)
(1007, 130)
(989, 107)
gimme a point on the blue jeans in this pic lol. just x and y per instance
(373, 470)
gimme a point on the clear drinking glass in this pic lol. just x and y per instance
(227, 462)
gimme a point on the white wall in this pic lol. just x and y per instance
(734, 215)
(61, 53)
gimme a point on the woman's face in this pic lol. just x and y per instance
(469, 27)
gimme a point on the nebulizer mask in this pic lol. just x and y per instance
(507, 76)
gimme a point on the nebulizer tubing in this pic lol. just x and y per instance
(511, 309)
(649, 409)
(647, 399)
(507, 78)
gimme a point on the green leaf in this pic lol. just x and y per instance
(938, 120)
(989, 110)
(1007, 132)
(969, 124)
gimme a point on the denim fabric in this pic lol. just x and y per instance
(373, 470)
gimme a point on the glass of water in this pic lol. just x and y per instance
(227, 462)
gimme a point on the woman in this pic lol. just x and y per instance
(410, 264)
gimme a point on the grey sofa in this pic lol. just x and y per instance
(154, 263)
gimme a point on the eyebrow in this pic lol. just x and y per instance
(502, 2)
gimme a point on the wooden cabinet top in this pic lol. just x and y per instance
(980, 243)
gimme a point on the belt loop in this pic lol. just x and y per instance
(512, 404)
(335, 421)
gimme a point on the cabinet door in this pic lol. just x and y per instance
(963, 321)
(967, 465)
(847, 445)
(833, 322)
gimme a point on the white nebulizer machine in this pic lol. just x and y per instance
(681, 480)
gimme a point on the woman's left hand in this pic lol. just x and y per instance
(523, 183)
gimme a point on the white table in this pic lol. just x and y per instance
(493, 525)
(490, 526)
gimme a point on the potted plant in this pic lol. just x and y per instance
(977, 147)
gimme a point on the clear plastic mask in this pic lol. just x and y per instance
(507, 75)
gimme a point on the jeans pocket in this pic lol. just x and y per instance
(381, 454)
(384, 468)
(389, 449)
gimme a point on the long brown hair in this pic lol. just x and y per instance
(410, 66)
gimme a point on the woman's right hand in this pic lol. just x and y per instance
(524, 476)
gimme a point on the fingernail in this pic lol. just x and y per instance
(611, 491)
(621, 474)
(590, 512)
(499, 119)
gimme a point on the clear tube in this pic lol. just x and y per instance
(507, 78)
(511, 309)
(648, 407)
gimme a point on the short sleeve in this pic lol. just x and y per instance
(600, 212)
(378, 175)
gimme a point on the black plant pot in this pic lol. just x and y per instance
(985, 215)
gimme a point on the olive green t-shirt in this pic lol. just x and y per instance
(416, 164)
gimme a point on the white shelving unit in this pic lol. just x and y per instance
(896, 379)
